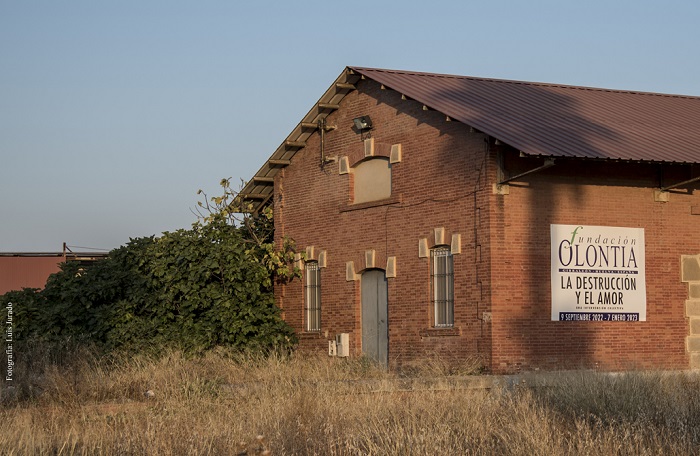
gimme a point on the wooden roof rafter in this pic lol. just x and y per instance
(260, 184)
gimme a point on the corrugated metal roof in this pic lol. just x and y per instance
(536, 118)
(559, 120)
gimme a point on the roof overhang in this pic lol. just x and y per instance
(530, 140)
(259, 190)
(467, 106)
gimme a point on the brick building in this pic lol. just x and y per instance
(31, 269)
(27, 270)
(529, 225)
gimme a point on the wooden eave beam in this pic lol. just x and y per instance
(260, 203)
(265, 201)
(351, 78)
(282, 163)
(263, 180)
(344, 86)
(255, 196)
(329, 106)
(309, 125)
(295, 144)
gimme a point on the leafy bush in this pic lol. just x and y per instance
(206, 287)
(195, 289)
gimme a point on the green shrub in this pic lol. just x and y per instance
(192, 289)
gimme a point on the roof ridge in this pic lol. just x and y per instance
(521, 82)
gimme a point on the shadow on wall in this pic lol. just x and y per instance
(526, 336)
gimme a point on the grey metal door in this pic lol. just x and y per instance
(375, 321)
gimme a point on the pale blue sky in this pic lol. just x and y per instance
(113, 114)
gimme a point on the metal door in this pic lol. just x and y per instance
(375, 321)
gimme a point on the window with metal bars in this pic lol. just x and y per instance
(442, 281)
(312, 288)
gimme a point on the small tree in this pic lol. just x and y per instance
(233, 209)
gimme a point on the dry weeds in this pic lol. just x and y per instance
(217, 404)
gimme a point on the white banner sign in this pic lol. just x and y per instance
(598, 273)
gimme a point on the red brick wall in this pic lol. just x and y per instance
(445, 180)
(588, 193)
(433, 186)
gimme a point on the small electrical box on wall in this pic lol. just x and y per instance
(332, 348)
(342, 344)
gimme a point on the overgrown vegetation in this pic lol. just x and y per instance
(102, 366)
(197, 288)
(219, 403)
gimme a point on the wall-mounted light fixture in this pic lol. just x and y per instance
(363, 124)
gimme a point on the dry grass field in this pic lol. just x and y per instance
(221, 404)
